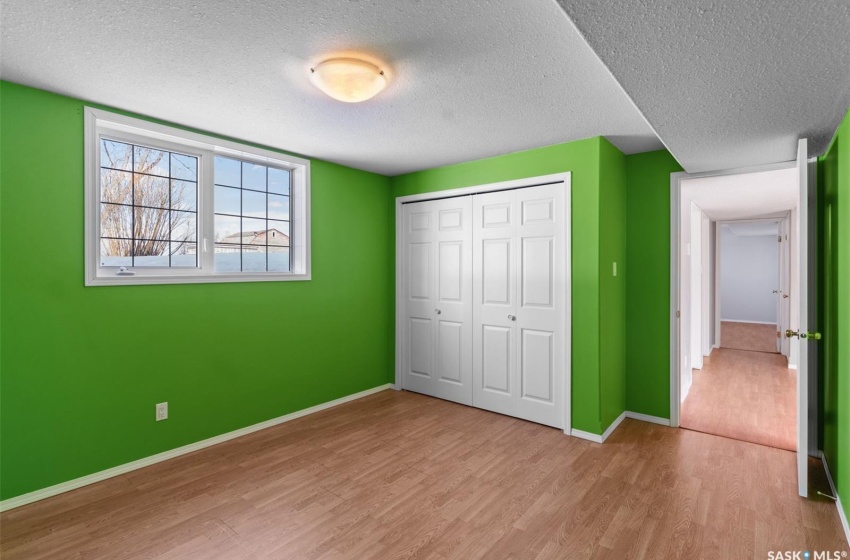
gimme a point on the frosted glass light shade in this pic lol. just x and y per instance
(348, 79)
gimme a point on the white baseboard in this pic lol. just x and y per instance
(744, 321)
(648, 418)
(841, 514)
(613, 426)
(60, 488)
(595, 438)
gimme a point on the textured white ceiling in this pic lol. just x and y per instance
(727, 83)
(761, 194)
(469, 79)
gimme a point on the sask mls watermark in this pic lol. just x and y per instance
(806, 555)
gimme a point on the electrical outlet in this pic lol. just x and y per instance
(162, 411)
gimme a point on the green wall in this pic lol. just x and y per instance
(834, 307)
(648, 289)
(83, 367)
(612, 289)
(584, 159)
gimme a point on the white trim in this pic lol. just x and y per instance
(399, 294)
(60, 488)
(792, 366)
(717, 292)
(595, 438)
(566, 179)
(489, 187)
(648, 418)
(99, 123)
(744, 321)
(614, 425)
(841, 514)
(675, 223)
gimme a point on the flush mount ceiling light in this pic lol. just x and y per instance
(348, 79)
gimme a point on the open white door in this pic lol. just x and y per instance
(803, 303)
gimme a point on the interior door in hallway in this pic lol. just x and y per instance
(438, 292)
(519, 312)
(805, 337)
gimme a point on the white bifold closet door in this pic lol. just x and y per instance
(518, 318)
(437, 333)
(483, 289)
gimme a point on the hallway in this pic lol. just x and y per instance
(744, 395)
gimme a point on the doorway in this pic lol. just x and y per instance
(733, 233)
(752, 291)
(752, 192)
(743, 388)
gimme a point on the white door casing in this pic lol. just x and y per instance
(696, 287)
(803, 321)
(707, 285)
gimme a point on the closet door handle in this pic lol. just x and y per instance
(512, 317)
(437, 311)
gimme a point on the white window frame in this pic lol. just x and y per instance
(100, 123)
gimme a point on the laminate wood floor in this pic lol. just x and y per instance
(748, 336)
(750, 396)
(400, 475)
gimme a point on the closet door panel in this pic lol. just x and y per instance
(538, 272)
(418, 285)
(496, 271)
(494, 361)
(453, 305)
(540, 315)
(496, 352)
(537, 351)
(450, 341)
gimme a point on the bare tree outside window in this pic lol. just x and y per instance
(148, 204)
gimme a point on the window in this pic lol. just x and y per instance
(251, 217)
(168, 206)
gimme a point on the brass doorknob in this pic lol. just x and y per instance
(803, 335)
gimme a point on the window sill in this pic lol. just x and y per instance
(194, 279)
